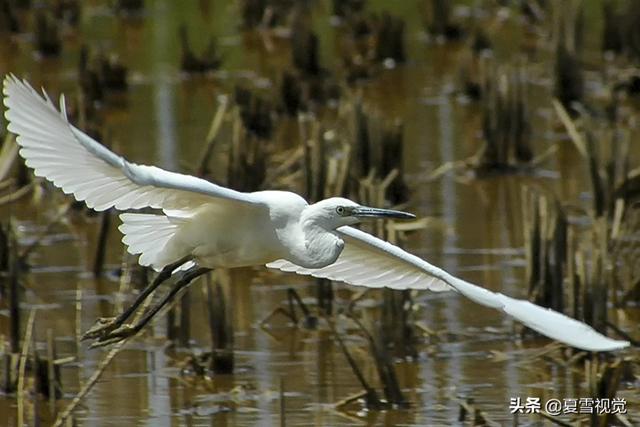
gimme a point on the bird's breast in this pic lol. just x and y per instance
(319, 250)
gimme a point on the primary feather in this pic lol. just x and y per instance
(81, 166)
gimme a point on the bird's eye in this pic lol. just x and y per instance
(340, 210)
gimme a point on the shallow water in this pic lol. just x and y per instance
(164, 118)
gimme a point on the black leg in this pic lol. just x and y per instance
(106, 325)
(126, 331)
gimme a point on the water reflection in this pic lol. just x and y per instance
(448, 202)
(163, 90)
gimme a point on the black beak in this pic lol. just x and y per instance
(366, 212)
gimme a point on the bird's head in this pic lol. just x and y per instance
(337, 212)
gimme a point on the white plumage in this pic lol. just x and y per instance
(374, 263)
(148, 235)
(221, 227)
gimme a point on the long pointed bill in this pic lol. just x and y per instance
(366, 212)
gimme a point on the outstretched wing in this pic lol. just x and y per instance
(81, 166)
(369, 261)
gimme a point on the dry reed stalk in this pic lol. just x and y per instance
(8, 156)
(573, 289)
(363, 162)
(371, 396)
(17, 195)
(220, 325)
(438, 22)
(62, 417)
(305, 46)
(280, 174)
(7, 183)
(316, 151)
(13, 270)
(505, 121)
(570, 127)
(208, 60)
(389, 39)
(51, 371)
(78, 315)
(384, 366)
(283, 420)
(252, 128)
(184, 327)
(124, 284)
(567, 39)
(340, 186)
(101, 244)
(303, 129)
(293, 299)
(22, 366)
(350, 399)
(7, 366)
(214, 129)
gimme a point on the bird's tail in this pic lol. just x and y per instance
(153, 237)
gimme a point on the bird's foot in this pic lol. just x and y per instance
(103, 326)
(115, 336)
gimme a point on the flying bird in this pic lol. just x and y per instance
(200, 226)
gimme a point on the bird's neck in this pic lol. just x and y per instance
(321, 246)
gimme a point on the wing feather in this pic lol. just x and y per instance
(81, 166)
(365, 256)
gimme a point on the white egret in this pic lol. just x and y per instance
(201, 226)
